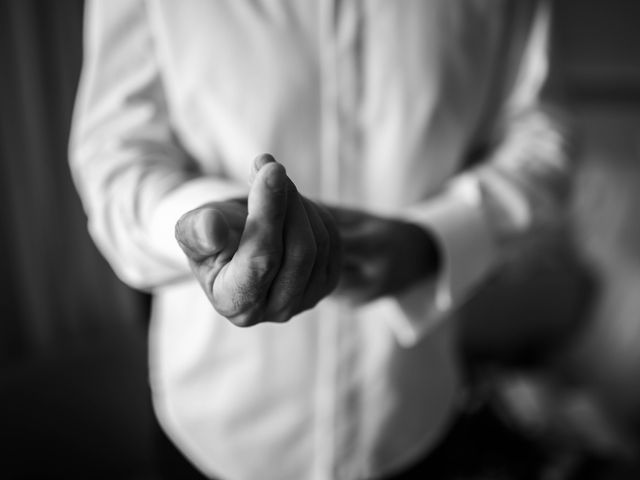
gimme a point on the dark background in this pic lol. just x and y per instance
(74, 400)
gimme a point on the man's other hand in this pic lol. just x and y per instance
(381, 256)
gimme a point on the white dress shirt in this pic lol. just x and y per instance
(372, 104)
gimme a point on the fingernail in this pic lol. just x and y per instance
(191, 232)
(201, 224)
(261, 160)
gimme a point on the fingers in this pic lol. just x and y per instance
(280, 257)
(259, 162)
(311, 261)
(326, 270)
(239, 292)
(288, 287)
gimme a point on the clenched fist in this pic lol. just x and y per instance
(266, 258)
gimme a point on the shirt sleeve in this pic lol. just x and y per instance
(489, 212)
(133, 177)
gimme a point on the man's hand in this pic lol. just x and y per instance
(381, 256)
(267, 261)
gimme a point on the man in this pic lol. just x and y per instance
(346, 254)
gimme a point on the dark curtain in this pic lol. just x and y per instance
(74, 400)
(55, 289)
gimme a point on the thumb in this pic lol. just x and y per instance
(259, 162)
(202, 233)
(267, 197)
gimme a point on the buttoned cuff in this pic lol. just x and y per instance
(179, 201)
(468, 254)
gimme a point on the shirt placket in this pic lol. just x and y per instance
(337, 400)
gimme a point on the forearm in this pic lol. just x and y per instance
(525, 183)
(132, 174)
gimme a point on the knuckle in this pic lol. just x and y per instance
(280, 317)
(235, 303)
(245, 320)
(291, 289)
(302, 253)
(263, 266)
(239, 302)
(247, 295)
(228, 308)
(286, 296)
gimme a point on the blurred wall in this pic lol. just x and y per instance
(597, 45)
(565, 328)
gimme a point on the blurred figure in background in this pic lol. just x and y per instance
(580, 398)
(420, 156)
